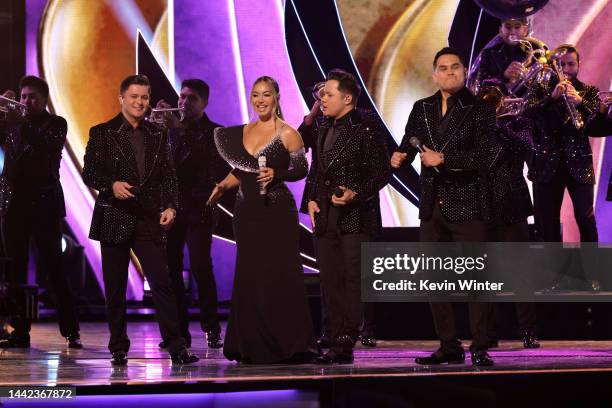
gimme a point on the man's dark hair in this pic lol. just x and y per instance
(199, 86)
(134, 80)
(447, 51)
(569, 48)
(35, 82)
(347, 83)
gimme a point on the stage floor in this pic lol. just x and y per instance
(49, 362)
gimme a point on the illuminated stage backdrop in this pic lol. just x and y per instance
(83, 48)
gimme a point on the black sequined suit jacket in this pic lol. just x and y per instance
(109, 157)
(359, 161)
(556, 141)
(32, 156)
(460, 188)
(198, 166)
(511, 201)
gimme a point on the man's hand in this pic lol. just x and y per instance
(12, 114)
(167, 218)
(514, 71)
(431, 158)
(606, 101)
(573, 97)
(397, 159)
(313, 208)
(121, 190)
(347, 197)
(315, 111)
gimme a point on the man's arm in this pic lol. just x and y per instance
(95, 174)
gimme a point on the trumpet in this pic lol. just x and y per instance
(574, 115)
(157, 114)
(9, 105)
(504, 106)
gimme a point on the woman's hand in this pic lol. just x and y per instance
(216, 194)
(266, 175)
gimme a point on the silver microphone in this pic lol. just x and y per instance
(261, 160)
(416, 143)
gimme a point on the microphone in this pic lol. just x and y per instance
(261, 160)
(416, 143)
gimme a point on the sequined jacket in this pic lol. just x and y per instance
(109, 157)
(198, 166)
(460, 188)
(511, 201)
(556, 141)
(359, 161)
(32, 156)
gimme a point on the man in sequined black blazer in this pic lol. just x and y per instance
(350, 165)
(33, 145)
(456, 131)
(128, 162)
(199, 167)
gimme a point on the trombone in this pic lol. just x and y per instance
(9, 105)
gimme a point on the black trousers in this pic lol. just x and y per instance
(547, 199)
(153, 258)
(339, 259)
(44, 231)
(198, 236)
(525, 311)
(439, 229)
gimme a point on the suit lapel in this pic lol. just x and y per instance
(458, 115)
(341, 142)
(431, 123)
(153, 138)
(121, 138)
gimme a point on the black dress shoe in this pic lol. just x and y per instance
(441, 357)
(162, 345)
(74, 341)
(530, 340)
(367, 341)
(15, 342)
(213, 339)
(324, 341)
(184, 357)
(481, 358)
(334, 357)
(119, 358)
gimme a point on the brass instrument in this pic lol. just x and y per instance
(317, 90)
(574, 115)
(157, 114)
(504, 106)
(9, 105)
(535, 60)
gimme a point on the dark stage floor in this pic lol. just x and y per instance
(50, 363)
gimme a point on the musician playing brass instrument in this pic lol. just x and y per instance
(509, 61)
(562, 156)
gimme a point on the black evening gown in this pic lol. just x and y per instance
(269, 318)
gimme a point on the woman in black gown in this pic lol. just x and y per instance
(269, 317)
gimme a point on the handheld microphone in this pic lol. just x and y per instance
(262, 163)
(416, 143)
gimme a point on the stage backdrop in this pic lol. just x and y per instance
(83, 48)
